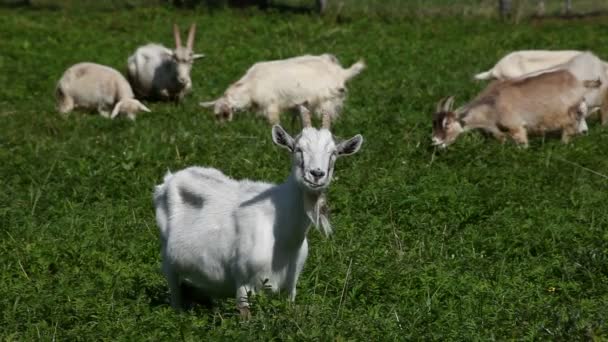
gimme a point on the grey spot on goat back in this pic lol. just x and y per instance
(81, 72)
(190, 198)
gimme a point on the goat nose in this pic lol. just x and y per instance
(317, 173)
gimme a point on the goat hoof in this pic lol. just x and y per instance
(245, 313)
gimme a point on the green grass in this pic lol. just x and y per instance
(482, 241)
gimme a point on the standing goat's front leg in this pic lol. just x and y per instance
(65, 105)
(103, 111)
(520, 136)
(604, 110)
(497, 133)
(568, 132)
(175, 289)
(272, 113)
(242, 302)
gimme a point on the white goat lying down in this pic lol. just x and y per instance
(227, 237)
(583, 65)
(157, 72)
(275, 86)
(97, 87)
(546, 102)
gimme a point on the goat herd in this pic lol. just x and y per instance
(225, 237)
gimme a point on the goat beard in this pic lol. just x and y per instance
(319, 213)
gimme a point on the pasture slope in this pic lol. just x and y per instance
(480, 242)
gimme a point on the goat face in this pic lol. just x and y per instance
(183, 59)
(314, 153)
(222, 108)
(184, 56)
(446, 126)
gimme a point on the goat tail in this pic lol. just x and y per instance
(161, 205)
(592, 84)
(486, 75)
(354, 70)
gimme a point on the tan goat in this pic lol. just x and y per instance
(550, 101)
(96, 86)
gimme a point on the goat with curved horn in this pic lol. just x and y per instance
(305, 115)
(148, 72)
(191, 33)
(194, 203)
(177, 36)
(326, 121)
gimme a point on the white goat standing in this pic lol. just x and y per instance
(228, 237)
(157, 72)
(97, 87)
(275, 86)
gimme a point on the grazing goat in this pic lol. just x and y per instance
(546, 102)
(159, 73)
(583, 65)
(274, 86)
(227, 237)
(97, 87)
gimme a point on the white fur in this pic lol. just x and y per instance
(519, 63)
(98, 87)
(583, 65)
(228, 237)
(275, 86)
(157, 72)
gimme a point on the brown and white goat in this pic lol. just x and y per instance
(547, 102)
(582, 64)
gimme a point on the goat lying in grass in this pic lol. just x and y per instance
(228, 237)
(159, 73)
(542, 103)
(275, 86)
(97, 87)
(583, 65)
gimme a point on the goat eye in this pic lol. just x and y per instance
(298, 150)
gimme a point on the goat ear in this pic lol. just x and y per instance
(350, 146)
(198, 55)
(141, 106)
(116, 110)
(208, 104)
(282, 138)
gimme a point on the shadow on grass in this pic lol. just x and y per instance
(261, 4)
(192, 297)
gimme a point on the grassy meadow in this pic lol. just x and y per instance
(482, 241)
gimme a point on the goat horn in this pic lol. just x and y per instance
(191, 34)
(176, 35)
(326, 122)
(305, 115)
